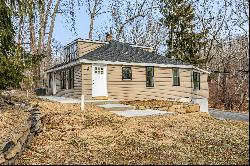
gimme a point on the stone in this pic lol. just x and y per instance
(24, 137)
(194, 108)
(164, 109)
(2, 159)
(185, 100)
(141, 107)
(14, 151)
(15, 136)
(7, 147)
(29, 139)
(26, 126)
(37, 127)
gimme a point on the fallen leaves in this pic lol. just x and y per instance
(71, 136)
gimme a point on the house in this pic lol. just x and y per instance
(121, 71)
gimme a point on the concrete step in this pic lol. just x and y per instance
(116, 107)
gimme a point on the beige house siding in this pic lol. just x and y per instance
(86, 47)
(163, 88)
(135, 89)
(87, 80)
(204, 91)
(77, 90)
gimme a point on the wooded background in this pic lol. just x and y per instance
(219, 27)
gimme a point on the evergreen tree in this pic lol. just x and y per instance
(13, 59)
(183, 42)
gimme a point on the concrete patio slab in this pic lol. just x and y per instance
(75, 101)
(61, 99)
(116, 107)
(113, 105)
(147, 112)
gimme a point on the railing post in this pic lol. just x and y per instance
(82, 103)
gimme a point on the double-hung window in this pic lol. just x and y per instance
(149, 76)
(71, 78)
(126, 73)
(196, 80)
(50, 80)
(176, 77)
(63, 79)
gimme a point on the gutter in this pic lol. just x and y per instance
(82, 61)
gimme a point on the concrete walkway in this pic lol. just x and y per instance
(130, 111)
(109, 105)
(61, 99)
(229, 115)
(133, 113)
(75, 101)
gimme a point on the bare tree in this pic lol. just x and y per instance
(35, 21)
(94, 9)
(124, 13)
(230, 75)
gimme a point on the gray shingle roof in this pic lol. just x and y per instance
(124, 52)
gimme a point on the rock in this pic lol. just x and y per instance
(193, 108)
(23, 105)
(29, 139)
(185, 100)
(164, 109)
(24, 137)
(141, 107)
(31, 109)
(37, 127)
(2, 159)
(14, 151)
(8, 146)
(15, 136)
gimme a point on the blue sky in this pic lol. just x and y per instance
(63, 34)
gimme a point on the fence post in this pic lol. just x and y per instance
(82, 103)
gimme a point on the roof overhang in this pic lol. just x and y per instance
(82, 61)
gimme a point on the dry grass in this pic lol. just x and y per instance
(98, 137)
(12, 118)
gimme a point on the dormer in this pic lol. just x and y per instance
(70, 52)
(80, 47)
(86, 46)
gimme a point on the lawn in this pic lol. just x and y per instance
(95, 136)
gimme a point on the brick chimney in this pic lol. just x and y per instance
(108, 37)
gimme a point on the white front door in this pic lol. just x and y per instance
(99, 80)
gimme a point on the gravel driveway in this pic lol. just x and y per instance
(229, 115)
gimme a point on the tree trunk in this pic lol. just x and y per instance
(52, 24)
(42, 28)
(91, 26)
(19, 37)
(32, 30)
